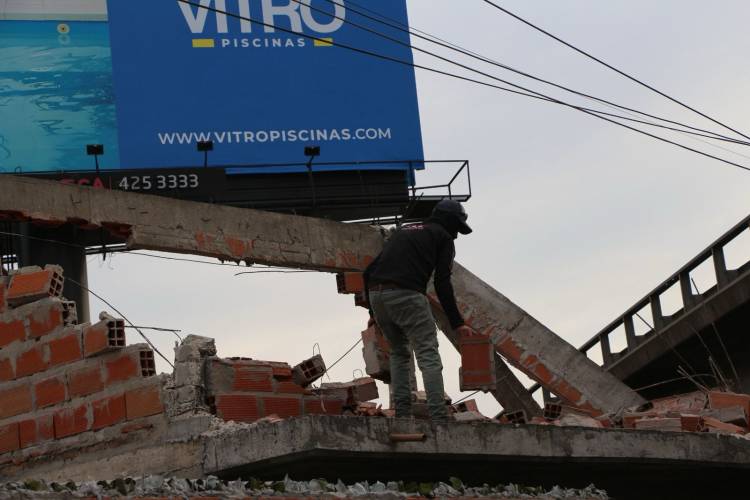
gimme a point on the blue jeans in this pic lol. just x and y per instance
(405, 318)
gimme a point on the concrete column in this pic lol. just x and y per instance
(632, 340)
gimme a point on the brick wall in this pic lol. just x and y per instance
(245, 390)
(59, 379)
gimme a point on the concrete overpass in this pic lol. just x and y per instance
(712, 324)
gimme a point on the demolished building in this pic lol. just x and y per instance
(78, 403)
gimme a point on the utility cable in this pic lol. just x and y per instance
(457, 48)
(119, 313)
(460, 77)
(702, 133)
(616, 70)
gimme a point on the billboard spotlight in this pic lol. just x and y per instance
(312, 150)
(95, 150)
(205, 147)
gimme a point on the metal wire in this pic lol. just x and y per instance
(466, 397)
(620, 72)
(158, 329)
(148, 341)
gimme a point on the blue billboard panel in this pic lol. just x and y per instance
(190, 72)
(56, 95)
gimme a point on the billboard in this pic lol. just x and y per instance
(183, 72)
(56, 95)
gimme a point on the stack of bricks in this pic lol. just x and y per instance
(59, 379)
(246, 390)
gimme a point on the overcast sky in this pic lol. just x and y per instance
(575, 219)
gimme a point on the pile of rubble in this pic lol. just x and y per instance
(214, 488)
(710, 411)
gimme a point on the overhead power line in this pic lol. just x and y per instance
(385, 20)
(616, 70)
(460, 77)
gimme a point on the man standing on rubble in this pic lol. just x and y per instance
(396, 283)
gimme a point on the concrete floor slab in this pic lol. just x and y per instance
(626, 463)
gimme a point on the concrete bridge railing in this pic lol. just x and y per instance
(691, 300)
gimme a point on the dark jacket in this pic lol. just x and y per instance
(410, 257)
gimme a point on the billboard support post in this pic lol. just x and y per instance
(312, 152)
(61, 247)
(205, 146)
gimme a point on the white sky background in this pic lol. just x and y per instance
(575, 219)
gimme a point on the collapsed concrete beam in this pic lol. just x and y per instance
(170, 225)
(537, 351)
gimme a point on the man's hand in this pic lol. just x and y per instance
(466, 330)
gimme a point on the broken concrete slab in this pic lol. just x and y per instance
(537, 351)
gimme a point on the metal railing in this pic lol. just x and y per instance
(724, 277)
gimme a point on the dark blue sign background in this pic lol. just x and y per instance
(184, 74)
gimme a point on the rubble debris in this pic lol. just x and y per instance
(419, 408)
(731, 415)
(516, 417)
(309, 370)
(577, 420)
(358, 390)
(157, 486)
(712, 411)
(659, 424)
(468, 405)
(469, 416)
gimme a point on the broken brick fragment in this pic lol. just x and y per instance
(714, 425)
(32, 284)
(309, 370)
(717, 400)
(106, 335)
(350, 282)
